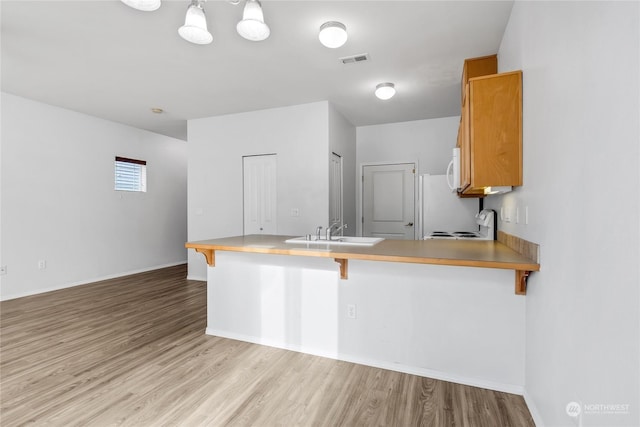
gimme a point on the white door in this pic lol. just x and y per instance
(388, 205)
(260, 197)
(335, 190)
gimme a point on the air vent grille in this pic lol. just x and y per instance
(355, 58)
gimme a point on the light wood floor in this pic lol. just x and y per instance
(132, 351)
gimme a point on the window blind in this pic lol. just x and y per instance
(130, 174)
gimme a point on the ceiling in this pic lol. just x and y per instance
(105, 59)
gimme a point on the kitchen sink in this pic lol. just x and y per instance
(338, 241)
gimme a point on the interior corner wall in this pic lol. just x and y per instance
(299, 136)
(59, 204)
(428, 142)
(580, 63)
(342, 141)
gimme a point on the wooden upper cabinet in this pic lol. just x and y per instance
(490, 136)
(476, 67)
(464, 143)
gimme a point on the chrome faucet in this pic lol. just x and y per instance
(329, 231)
(318, 230)
(337, 230)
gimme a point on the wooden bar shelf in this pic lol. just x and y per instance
(508, 252)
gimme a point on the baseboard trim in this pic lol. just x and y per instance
(196, 277)
(533, 409)
(413, 370)
(89, 281)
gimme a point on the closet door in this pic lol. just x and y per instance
(260, 196)
(335, 190)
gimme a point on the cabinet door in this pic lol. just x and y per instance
(465, 147)
(467, 165)
(476, 67)
(495, 130)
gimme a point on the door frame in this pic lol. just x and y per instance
(360, 204)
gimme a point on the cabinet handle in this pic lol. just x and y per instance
(409, 224)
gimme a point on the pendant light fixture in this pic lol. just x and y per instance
(194, 29)
(333, 34)
(252, 26)
(144, 5)
(385, 91)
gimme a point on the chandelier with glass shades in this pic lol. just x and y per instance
(194, 30)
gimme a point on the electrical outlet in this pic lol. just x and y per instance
(42, 264)
(351, 311)
(3, 270)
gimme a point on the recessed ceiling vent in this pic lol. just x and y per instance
(355, 58)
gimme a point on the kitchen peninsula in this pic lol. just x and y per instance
(441, 308)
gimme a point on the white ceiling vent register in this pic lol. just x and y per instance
(355, 58)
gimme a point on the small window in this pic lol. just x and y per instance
(130, 175)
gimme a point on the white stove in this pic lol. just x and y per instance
(486, 219)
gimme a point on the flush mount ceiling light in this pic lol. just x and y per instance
(194, 29)
(144, 5)
(333, 34)
(252, 26)
(385, 91)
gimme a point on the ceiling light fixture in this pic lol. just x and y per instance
(252, 26)
(144, 5)
(194, 29)
(385, 91)
(333, 34)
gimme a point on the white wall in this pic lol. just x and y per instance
(342, 141)
(59, 205)
(426, 142)
(581, 161)
(299, 135)
(429, 142)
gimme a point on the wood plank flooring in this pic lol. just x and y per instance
(132, 351)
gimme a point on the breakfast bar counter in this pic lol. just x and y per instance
(437, 308)
(460, 253)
